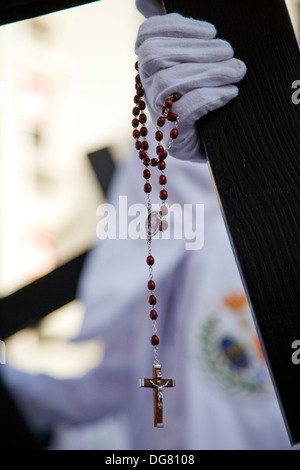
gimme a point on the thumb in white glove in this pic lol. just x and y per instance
(150, 7)
(178, 54)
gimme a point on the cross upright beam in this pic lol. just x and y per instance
(253, 148)
(157, 383)
(16, 10)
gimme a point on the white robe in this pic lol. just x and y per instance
(223, 397)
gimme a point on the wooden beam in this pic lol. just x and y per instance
(16, 10)
(33, 302)
(253, 147)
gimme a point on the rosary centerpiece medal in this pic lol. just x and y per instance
(155, 220)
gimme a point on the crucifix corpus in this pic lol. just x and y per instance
(158, 384)
(253, 152)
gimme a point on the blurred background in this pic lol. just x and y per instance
(66, 89)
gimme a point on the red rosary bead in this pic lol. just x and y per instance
(136, 134)
(151, 285)
(141, 105)
(147, 188)
(162, 180)
(135, 111)
(146, 174)
(150, 260)
(154, 162)
(172, 117)
(138, 145)
(135, 122)
(174, 133)
(158, 135)
(163, 195)
(146, 161)
(154, 340)
(161, 166)
(163, 210)
(175, 96)
(143, 131)
(162, 155)
(153, 314)
(145, 145)
(142, 154)
(136, 99)
(159, 149)
(169, 103)
(143, 118)
(161, 121)
(152, 300)
(140, 92)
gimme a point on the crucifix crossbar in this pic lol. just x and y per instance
(157, 383)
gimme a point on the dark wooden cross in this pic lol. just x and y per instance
(253, 148)
(158, 384)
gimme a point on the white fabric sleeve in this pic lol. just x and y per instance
(113, 291)
(47, 402)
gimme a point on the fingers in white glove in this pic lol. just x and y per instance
(198, 102)
(178, 54)
(155, 52)
(188, 146)
(200, 77)
(176, 26)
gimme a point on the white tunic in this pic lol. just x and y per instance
(223, 397)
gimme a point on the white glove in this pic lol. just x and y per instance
(178, 54)
(150, 7)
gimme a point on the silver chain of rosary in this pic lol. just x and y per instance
(149, 238)
(141, 144)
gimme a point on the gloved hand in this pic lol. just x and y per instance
(178, 54)
(150, 7)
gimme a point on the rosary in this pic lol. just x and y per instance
(155, 220)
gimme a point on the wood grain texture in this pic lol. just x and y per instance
(16, 10)
(253, 147)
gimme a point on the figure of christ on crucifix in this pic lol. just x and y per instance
(157, 383)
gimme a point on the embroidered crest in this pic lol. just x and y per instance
(231, 349)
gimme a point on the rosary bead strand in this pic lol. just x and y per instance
(140, 133)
